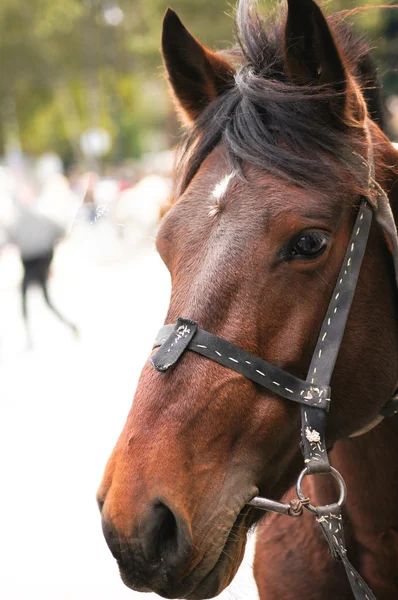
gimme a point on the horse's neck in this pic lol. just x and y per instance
(393, 197)
(369, 465)
(392, 185)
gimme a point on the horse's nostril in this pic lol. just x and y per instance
(168, 533)
(160, 532)
(158, 547)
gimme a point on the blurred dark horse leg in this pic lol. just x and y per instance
(37, 270)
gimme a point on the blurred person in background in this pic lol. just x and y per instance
(89, 202)
(36, 237)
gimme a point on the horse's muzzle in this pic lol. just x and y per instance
(160, 555)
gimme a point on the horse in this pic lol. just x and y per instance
(283, 143)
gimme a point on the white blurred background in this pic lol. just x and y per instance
(64, 399)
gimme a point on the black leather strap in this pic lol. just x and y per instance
(313, 440)
(235, 358)
(333, 326)
(313, 420)
(330, 519)
(175, 344)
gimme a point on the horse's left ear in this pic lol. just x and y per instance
(196, 74)
(312, 55)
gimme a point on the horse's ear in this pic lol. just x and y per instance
(197, 75)
(311, 53)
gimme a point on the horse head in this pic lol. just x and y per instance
(267, 191)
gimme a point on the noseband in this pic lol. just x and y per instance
(313, 394)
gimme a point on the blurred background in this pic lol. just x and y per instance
(87, 133)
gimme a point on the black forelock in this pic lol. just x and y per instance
(266, 120)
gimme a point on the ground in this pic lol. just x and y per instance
(62, 406)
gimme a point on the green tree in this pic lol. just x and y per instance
(64, 68)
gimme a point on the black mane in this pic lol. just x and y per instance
(266, 120)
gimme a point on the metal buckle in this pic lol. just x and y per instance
(292, 509)
(304, 500)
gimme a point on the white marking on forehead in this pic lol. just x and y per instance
(222, 186)
(214, 210)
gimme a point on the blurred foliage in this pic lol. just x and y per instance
(65, 68)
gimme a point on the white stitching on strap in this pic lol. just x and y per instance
(276, 383)
(338, 293)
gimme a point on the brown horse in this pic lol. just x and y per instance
(267, 192)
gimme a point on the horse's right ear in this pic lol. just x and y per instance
(312, 56)
(196, 74)
(311, 53)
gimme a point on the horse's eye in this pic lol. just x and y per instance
(310, 245)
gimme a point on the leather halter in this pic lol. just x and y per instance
(313, 394)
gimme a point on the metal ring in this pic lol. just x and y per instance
(303, 497)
